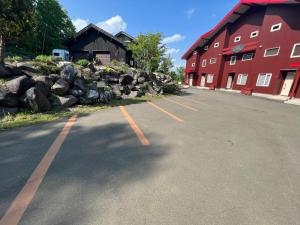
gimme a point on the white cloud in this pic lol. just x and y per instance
(172, 39)
(172, 51)
(80, 23)
(113, 25)
(190, 12)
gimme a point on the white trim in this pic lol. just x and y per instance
(232, 62)
(208, 81)
(193, 64)
(240, 80)
(265, 79)
(210, 61)
(237, 39)
(216, 45)
(247, 54)
(206, 47)
(254, 34)
(265, 55)
(292, 56)
(273, 29)
(203, 63)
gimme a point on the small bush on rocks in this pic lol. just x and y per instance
(83, 62)
(47, 59)
(12, 59)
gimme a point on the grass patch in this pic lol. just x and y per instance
(26, 117)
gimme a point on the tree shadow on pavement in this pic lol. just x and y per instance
(92, 167)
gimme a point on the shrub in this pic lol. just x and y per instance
(119, 66)
(83, 62)
(14, 59)
(46, 68)
(47, 58)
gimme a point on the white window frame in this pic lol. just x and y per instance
(247, 54)
(273, 29)
(232, 60)
(237, 39)
(240, 79)
(216, 45)
(265, 80)
(193, 64)
(215, 61)
(292, 54)
(206, 47)
(208, 80)
(254, 34)
(204, 63)
(265, 55)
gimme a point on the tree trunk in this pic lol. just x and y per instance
(2, 46)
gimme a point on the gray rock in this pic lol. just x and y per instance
(20, 85)
(37, 101)
(61, 87)
(68, 100)
(69, 73)
(14, 70)
(85, 101)
(76, 92)
(80, 83)
(141, 80)
(4, 111)
(44, 84)
(4, 72)
(92, 95)
(125, 79)
(54, 77)
(8, 99)
(116, 91)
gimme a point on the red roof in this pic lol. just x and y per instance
(242, 7)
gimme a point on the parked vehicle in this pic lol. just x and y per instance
(62, 53)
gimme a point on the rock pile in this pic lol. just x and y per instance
(77, 85)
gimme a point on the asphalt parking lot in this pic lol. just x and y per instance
(203, 158)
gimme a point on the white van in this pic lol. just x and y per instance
(62, 53)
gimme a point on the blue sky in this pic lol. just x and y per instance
(180, 21)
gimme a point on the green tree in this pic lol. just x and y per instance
(16, 16)
(166, 65)
(180, 72)
(148, 50)
(53, 26)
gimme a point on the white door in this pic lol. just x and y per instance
(202, 84)
(229, 82)
(287, 85)
(191, 80)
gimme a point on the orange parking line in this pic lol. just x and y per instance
(16, 210)
(166, 112)
(139, 133)
(181, 104)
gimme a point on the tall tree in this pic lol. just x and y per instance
(180, 72)
(15, 17)
(148, 50)
(166, 65)
(53, 26)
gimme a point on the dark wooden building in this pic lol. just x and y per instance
(94, 43)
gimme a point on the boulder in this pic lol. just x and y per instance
(14, 70)
(61, 87)
(20, 85)
(76, 92)
(4, 111)
(54, 77)
(116, 91)
(85, 101)
(47, 81)
(8, 99)
(4, 72)
(141, 80)
(68, 100)
(27, 67)
(37, 100)
(86, 73)
(92, 95)
(69, 73)
(134, 94)
(80, 84)
(125, 79)
(44, 84)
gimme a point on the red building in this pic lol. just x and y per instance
(254, 49)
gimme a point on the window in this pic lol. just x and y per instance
(216, 45)
(204, 63)
(193, 64)
(131, 62)
(247, 57)
(206, 48)
(242, 79)
(237, 39)
(263, 79)
(213, 61)
(272, 51)
(276, 27)
(232, 60)
(210, 78)
(254, 34)
(296, 51)
(56, 54)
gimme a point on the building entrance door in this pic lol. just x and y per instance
(191, 80)
(202, 82)
(288, 82)
(230, 81)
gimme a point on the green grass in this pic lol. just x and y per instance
(26, 117)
